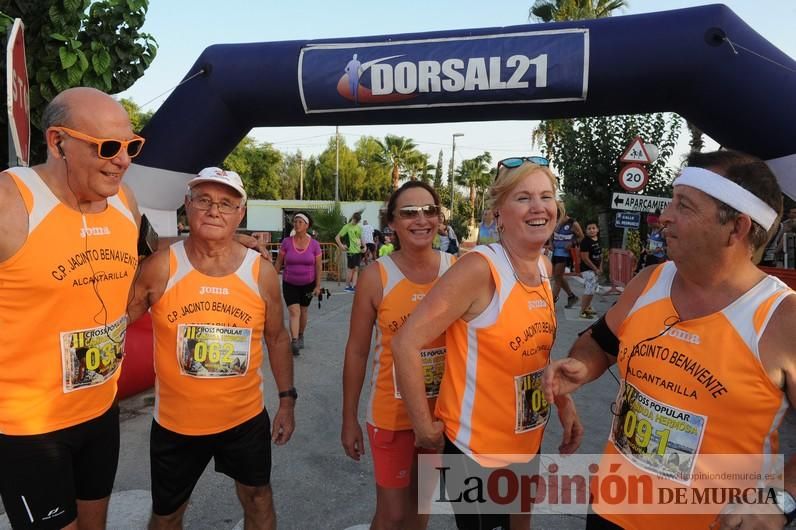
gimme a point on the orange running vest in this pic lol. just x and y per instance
(491, 400)
(400, 296)
(691, 389)
(208, 347)
(63, 299)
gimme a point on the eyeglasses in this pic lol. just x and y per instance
(107, 148)
(204, 204)
(413, 212)
(517, 161)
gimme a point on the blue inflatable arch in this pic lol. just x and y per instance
(703, 63)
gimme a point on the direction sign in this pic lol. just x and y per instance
(638, 203)
(633, 177)
(17, 92)
(636, 152)
(627, 219)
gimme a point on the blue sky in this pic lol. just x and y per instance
(183, 28)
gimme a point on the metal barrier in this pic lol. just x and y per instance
(621, 264)
(331, 267)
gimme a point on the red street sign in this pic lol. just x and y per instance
(636, 153)
(633, 177)
(17, 90)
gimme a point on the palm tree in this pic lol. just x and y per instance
(475, 173)
(417, 167)
(396, 152)
(560, 10)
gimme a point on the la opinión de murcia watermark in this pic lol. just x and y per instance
(569, 485)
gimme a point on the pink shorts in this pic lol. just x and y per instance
(394, 454)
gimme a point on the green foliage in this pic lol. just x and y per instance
(558, 10)
(73, 43)
(586, 151)
(396, 152)
(634, 242)
(259, 166)
(475, 174)
(327, 223)
(138, 118)
(438, 172)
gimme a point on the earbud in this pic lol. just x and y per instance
(60, 150)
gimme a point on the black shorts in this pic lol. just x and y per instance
(243, 453)
(560, 259)
(44, 474)
(371, 247)
(297, 294)
(354, 260)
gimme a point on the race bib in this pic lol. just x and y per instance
(89, 357)
(433, 360)
(532, 408)
(656, 437)
(213, 351)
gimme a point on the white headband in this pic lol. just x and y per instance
(302, 217)
(729, 193)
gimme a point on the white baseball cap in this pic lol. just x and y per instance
(222, 176)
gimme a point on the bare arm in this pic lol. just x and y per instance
(149, 285)
(279, 356)
(280, 260)
(133, 203)
(587, 360)
(584, 258)
(13, 218)
(363, 316)
(443, 305)
(318, 274)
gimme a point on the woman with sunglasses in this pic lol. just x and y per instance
(301, 280)
(496, 309)
(387, 293)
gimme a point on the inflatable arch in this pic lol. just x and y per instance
(704, 63)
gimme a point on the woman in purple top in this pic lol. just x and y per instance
(301, 279)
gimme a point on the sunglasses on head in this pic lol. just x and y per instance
(413, 212)
(517, 161)
(107, 148)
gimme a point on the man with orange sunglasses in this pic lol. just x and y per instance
(68, 230)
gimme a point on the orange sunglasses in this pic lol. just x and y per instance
(107, 148)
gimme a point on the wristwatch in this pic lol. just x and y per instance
(291, 392)
(787, 504)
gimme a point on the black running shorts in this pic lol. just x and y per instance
(297, 294)
(44, 474)
(243, 453)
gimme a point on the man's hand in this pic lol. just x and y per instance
(284, 422)
(351, 438)
(570, 423)
(563, 377)
(431, 438)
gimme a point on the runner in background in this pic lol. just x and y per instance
(212, 302)
(591, 255)
(705, 349)
(301, 280)
(387, 294)
(490, 399)
(353, 247)
(654, 251)
(567, 235)
(368, 242)
(487, 230)
(387, 248)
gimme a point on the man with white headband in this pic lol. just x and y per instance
(706, 350)
(212, 302)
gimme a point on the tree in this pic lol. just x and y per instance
(438, 173)
(558, 10)
(476, 175)
(77, 43)
(138, 118)
(396, 151)
(259, 166)
(377, 179)
(586, 151)
(417, 167)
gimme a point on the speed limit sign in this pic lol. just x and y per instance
(633, 177)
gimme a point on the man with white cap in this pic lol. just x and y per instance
(212, 302)
(705, 349)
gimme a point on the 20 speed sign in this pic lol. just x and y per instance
(633, 177)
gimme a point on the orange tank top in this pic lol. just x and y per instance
(691, 389)
(63, 299)
(208, 347)
(399, 298)
(491, 400)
